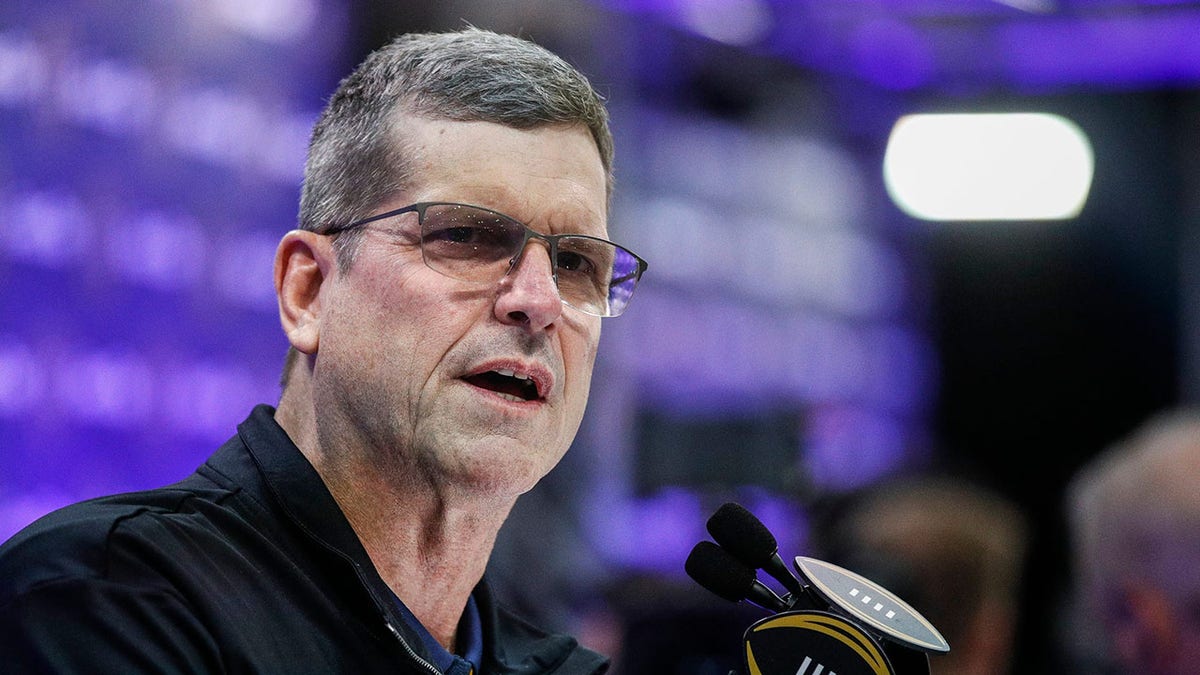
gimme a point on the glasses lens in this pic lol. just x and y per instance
(627, 270)
(469, 243)
(596, 276)
(473, 244)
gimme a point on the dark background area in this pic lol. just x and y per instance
(1056, 341)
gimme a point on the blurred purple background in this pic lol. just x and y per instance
(151, 154)
(796, 337)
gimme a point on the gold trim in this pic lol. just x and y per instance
(832, 626)
(750, 662)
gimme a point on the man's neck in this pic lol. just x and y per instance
(430, 550)
(429, 543)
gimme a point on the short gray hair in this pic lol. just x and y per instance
(356, 156)
(1135, 510)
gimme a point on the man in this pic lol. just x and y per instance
(443, 302)
(1134, 514)
(951, 548)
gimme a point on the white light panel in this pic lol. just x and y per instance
(988, 166)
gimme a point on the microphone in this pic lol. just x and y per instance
(846, 623)
(721, 573)
(744, 535)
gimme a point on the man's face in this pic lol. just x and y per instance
(416, 371)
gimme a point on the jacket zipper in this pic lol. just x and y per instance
(404, 643)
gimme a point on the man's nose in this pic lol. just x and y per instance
(528, 293)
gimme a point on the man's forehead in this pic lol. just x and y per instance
(548, 176)
(418, 135)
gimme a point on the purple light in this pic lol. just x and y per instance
(161, 251)
(1136, 49)
(48, 228)
(662, 530)
(208, 399)
(22, 379)
(153, 157)
(112, 96)
(722, 354)
(659, 531)
(242, 270)
(903, 368)
(914, 44)
(891, 54)
(23, 68)
(106, 389)
(849, 448)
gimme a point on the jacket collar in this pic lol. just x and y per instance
(268, 460)
(295, 484)
(510, 644)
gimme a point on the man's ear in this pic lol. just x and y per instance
(303, 262)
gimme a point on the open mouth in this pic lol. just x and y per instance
(508, 384)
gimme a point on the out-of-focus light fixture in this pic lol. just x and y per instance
(733, 22)
(277, 21)
(988, 166)
(1031, 6)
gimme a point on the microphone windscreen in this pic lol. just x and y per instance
(716, 570)
(743, 535)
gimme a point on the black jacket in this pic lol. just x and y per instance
(246, 566)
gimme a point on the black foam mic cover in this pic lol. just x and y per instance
(716, 570)
(713, 568)
(743, 534)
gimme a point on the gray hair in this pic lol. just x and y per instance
(1135, 511)
(356, 157)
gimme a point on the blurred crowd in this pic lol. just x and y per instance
(957, 551)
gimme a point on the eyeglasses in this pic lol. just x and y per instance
(478, 245)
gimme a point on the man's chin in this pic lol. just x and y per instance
(497, 463)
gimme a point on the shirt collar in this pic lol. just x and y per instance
(470, 639)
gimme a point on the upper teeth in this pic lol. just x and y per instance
(510, 373)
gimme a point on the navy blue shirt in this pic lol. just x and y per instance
(470, 640)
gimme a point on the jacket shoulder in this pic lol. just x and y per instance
(79, 541)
